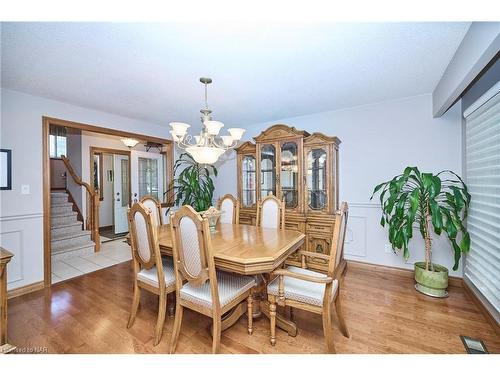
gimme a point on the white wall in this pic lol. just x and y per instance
(21, 131)
(378, 141)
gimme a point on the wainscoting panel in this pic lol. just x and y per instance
(22, 235)
(13, 241)
(367, 241)
(355, 243)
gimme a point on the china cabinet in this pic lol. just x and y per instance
(301, 169)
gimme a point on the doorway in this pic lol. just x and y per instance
(166, 150)
(110, 173)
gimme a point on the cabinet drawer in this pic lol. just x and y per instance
(325, 228)
(320, 245)
(295, 225)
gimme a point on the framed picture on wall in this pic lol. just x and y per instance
(5, 169)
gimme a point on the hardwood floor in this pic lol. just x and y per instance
(383, 312)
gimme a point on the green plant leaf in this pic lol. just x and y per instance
(465, 243)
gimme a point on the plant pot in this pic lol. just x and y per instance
(431, 283)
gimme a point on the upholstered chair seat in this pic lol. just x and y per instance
(229, 285)
(151, 276)
(302, 290)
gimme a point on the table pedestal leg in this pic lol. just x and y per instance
(231, 317)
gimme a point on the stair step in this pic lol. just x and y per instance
(68, 234)
(62, 214)
(61, 209)
(58, 229)
(69, 252)
(71, 243)
(62, 192)
(60, 204)
(58, 200)
(64, 219)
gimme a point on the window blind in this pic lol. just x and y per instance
(482, 156)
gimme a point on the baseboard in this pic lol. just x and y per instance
(25, 289)
(490, 318)
(106, 227)
(352, 264)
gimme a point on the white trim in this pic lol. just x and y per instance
(364, 205)
(21, 217)
(482, 100)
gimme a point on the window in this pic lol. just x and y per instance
(148, 178)
(482, 153)
(57, 141)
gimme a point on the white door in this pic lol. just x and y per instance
(147, 175)
(121, 192)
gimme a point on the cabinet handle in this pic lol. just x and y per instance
(318, 227)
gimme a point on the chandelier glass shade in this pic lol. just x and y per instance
(208, 146)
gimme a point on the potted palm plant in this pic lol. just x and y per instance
(424, 201)
(194, 186)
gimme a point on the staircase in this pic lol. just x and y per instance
(68, 239)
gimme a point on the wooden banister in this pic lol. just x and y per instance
(92, 219)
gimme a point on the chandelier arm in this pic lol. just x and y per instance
(219, 145)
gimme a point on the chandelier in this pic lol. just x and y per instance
(208, 146)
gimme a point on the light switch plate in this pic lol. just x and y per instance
(25, 189)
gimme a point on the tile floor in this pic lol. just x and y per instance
(112, 252)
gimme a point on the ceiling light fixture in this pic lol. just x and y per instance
(208, 146)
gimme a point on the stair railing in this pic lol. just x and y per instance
(92, 201)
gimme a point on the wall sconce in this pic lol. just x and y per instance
(130, 142)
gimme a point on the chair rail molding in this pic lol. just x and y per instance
(21, 217)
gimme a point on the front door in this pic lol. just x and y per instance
(121, 192)
(147, 175)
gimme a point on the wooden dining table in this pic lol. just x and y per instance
(247, 250)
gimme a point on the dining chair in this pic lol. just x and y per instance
(151, 203)
(207, 291)
(151, 273)
(230, 209)
(271, 212)
(313, 291)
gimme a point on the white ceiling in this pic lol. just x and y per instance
(261, 72)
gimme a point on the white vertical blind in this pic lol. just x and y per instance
(482, 139)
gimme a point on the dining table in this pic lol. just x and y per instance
(248, 250)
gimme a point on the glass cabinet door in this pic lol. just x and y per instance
(289, 175)
(248, 181)
(316, 179)
(267, 170)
